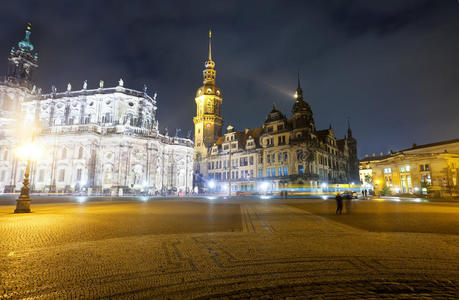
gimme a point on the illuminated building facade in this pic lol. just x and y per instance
(431, 169)
(281, 152)
(102, 140)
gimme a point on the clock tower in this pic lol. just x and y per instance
(208, 121)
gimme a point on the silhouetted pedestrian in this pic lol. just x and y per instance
(339, 204)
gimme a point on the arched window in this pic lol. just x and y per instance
(80, 153)
(64, 153)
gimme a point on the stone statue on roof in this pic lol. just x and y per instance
(121, 82)
(101, 84)
(69, 87)
(85, 84)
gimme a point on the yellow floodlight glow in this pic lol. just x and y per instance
(296, 95)
(31, 151)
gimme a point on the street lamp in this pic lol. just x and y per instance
(27, 152)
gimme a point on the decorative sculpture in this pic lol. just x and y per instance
(121, 82)
(154, 96)
(101, 84)
(34, 89)
(69, 87)
(177, 131)
(53, 89)
(85, 84)
(145, 88)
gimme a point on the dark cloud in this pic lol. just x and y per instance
(391, 66)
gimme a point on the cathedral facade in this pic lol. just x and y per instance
(281, 152)
(101, 140)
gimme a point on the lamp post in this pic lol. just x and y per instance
(26, 152)
(23, 202)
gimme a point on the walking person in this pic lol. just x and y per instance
(339, 204)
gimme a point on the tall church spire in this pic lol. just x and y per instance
(208, 121)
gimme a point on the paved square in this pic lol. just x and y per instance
(229, 248)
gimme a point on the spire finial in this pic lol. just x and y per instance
(26, 44)
(210, 44)
(349, 131)
(299, 86)
(299, 90)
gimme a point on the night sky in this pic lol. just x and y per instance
(392, 67)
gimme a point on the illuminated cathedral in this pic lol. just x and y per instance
(100, 140)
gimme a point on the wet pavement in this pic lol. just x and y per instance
(229, 248)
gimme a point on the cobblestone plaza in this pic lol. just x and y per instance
(238, 248)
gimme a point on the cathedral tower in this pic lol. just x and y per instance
(22, 62)
(208, 121)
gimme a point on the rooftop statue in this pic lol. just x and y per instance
(85, 84)
(101, 84)
(69, 87)
(121, 82)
